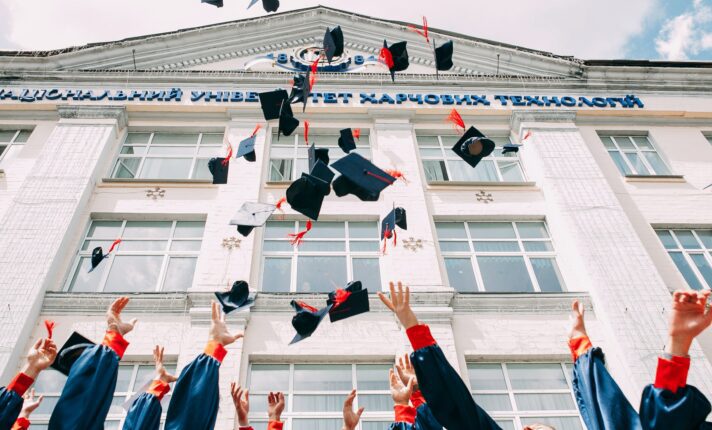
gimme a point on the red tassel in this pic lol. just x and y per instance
(423, 32)
(226, 161)
(308, 307)
(280, 202)
(397, 174)
(386, 58)
(357, 133)
(113, 245)
(380, 178)
(298, 238)
(257, 128)
(49, 325)
(395, 237)
(306, 132)
(527, 136)
(314, 70)
(340, 297)
(456, 119)
(386, 235)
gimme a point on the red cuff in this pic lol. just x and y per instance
(158, 388)
(420, 337)
(245, 428)
(579, 346)
(20, 383)
(672, 374)
(405, 414)
(21, 424)
(275, 425)
(417, 399)
(215, 350)
(116, 342)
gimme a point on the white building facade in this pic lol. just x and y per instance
(605, 202)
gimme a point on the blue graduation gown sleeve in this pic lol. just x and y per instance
(447, 395)
(11, 399)
(602, 404)
(194, 404)
(89, 390)
(425, 420)
(145, 412)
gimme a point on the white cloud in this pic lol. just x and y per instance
(686, 34)
(584, 28)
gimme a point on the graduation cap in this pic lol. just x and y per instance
(70, 352)
(360, 177)
(325, 176)
(219, 168)
(306, 195)
(251, 215)
(333, 43)
(318, 154)
(346, 140)
(268, 5)
(348, 302)
(510, 147)
(97, 254)
(287, 122)
(396, 218)
(301, 89)
(443, 56)
(246, 148)
(217, 3)
(395, 57)
(307, 319)
(237, 298)
(473, 146)
(271, 103)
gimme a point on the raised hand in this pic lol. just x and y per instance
(400, 392)
(113, 317)
(275, 406)
(690, 317)
(399, 303)
(578, 326)
(163, 374)
(406, 372)
(40, 357)
(241, 399)
(218, 329)
(351, 417)
(29, 404)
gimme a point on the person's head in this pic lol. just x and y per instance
(538, 427)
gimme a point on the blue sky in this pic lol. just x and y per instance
(587, 29)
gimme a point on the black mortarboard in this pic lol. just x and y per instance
(473, 140)
(287, 122)
(316, 154)
(251, 215)
(395, 218)
(324, 174)
(70, 352)
(268, 5)
(333, 43)
(247, 149)
(306, 195)
(349, 302)
(219, 169)
(399, 54)
(346, 140)
(271, 103)
(307, 319)
(443, 56)
(360, 177)
(510, 147)
(218, 3)
(97, 256)
(301, 89)
(237, 298)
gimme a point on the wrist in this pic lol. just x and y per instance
(274, 417)
(31, 370)
(678, 346)
(244, 422)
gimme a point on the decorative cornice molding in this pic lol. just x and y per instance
(81, 112)
(519, 303)
(558, 117)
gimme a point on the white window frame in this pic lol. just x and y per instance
(447, 155)
(7, 146)
(289, 414)
(196, 157)
(613, 137)
(527, 255)
(687, 253)
(520, 417)
(166, 254)
(297, 252)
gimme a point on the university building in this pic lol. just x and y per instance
(608, 200)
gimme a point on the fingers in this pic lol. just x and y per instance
(39, 399)
(360, 411)
(386, 301)
(392, 378)
(409, 386)
(133, 322)
(238, 336)
(270, 399)
(247, 396)
(233, 389)
(214, 309)
(280, 397)
(407, 296)
(349, 402)
(37, 344)
(119, 305)
(408, 364)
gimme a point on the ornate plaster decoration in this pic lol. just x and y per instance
(155, 193)
(413, 244)
(231, 243)
(484, 197)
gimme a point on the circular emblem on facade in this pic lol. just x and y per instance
(305, 56)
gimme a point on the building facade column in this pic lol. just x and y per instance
(46, 210)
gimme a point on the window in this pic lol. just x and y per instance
(635, 155)
(11, 141)
(498, 257)
(691, 251)
(167, 155)
(289, 156)
(517, 394)
(131, 379)
(709, 138)
(153, 256)
(332, 254)
(315, 394)
(442, 164)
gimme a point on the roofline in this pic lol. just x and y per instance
(650, 63)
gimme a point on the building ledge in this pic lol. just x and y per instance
(2, 173)
(459, 185)
(655, 178)
(519, 303)
(113, 182)
(277, 184)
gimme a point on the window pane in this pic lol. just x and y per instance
(171, 150)
(656, 163)
(319, 377)
(505, 274)
(280, 170)
(179, 276)
(461, 274)
(666, 239)
(364, 246)
(279, 229)
(269, 377)
(147, 229)
(568, 423)
(127, 168)
(166, 168)
(450, 230)
(7, 135)
(607, 142)
(492, 230)
(133, 273)
(105, 230)
(137, 138)
(133, 150)
(620, 162)
(322, 246)
(624, 142)
(547, 274)
(453, 246)
(316, 424)
(493, 402)
(367, 270)
(506, 425)
(375, 402)
(85, 282)
(326, 230)
(642, 142)
(185, 245)
(175, 139)
(189, 229)
(277, 274)
(544, 402)
(278, 246)
(123, 379)
(496, 246)
(635, 161)
(511, 172)
(144, 375)
(428, 141)
(143, 245)
(363, 230)
(703, 267)
(461, 171)
(486, 171)
(706, 237)
(91, 244)
(50, 381)
(211, 151)
(435, 170)
(372, 377)
(45, 408)
(486, 376)
(431, 152)
(320, 274)
(532, 230)
(679, 259)
(212, 139)
(201, 170)
(537, 376)
(538, 246)
(687, 240)
(23, 136)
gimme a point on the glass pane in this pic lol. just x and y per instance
(607, 142)
(363, 230)
(7, 135)
(105, 230)
(532, 230)
(280, 170)
(620, 163)
(497, 246)
(461, 171)
(679, 259)
(506, 425)
(687, 240)
(133, 150)
(453, 246)
(637, 163)
(326, 230)
(539, 246)
(666, 239)
(450, 230)
(171, 150)
(191, 229)
(45, 408)
(211, 151)
(123, 380)
(372, 377)
(126, 168)
(50, 381)
(486, 171)
(547, 274)
(536, 376)
(656, 163)
(166, 168)
(278, 246)
(137, 138)
(703, 267)
(316, 424)
(85, 282)
(320, 274)
(431, 153)
(568, 423)
(505, 274)
(706, 237)
(544, 402)
(277, 274)
(179, 276)
(147, 229)
(143, 245)
(461, 274)
(212, 139)
(144, 375)
(486, 376)
(258, 403)
(428, 140)
(375, 402)
(510, 170)
(320, 377)
(185, 245)
(364, 246)
(624, 142)
(175, 139)
(435, 170)
(133, 273)
(111, 425)
(279, 229)
(493, 402)
(23, 136)
(269, 377)
(322, 246)
(642, 142)
(91, 244)
(368, 271)
(492, 230)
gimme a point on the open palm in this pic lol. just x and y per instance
(218, 329)
(351, 417)
(690, 315)
(113, 317)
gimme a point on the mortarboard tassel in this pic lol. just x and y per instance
(386, 57)
(298, 238)
(314, 70)
(397, 174)
(527, 136)
(113, 245)
(356, 133)
(257, 128)
(340, 296)
(308, 307)
(423, 32)
(49, 325)
(379, 177)
(226, 161)
(306, 132)
(280, 202)
(456, 119)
